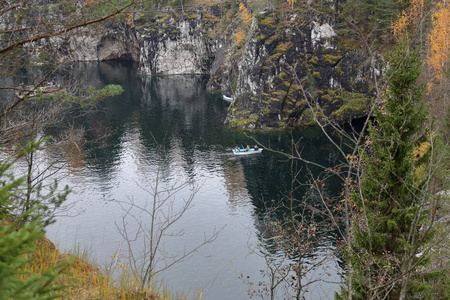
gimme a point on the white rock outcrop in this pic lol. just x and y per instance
(181, 51)
(321, 34)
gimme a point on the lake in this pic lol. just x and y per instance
(168, 131)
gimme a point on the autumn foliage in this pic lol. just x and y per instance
(245, 15)
(240, 35)
(439, 40)
(247, 19)
(408, 19)
(130, 19)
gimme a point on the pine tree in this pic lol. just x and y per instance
(18, 236)
(392, 199)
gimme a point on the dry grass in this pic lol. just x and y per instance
(83, 280)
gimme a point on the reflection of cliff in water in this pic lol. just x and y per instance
(176, 110)
(107, 125)
(236, 185)
(180, 105)
(312, 241)
(273, 187)
(169, 106)
(278, 169)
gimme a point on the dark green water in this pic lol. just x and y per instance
(119, 162)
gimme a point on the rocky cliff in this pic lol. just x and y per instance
(173, 43)
(286, 62)
(114, 42)
(292, 61)
(276, 63)
(99, 42)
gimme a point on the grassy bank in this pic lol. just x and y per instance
(82, 280)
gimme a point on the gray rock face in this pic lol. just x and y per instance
(108, 43)
(171, 46)
(104, 43)
(321, 35)
(286, 67)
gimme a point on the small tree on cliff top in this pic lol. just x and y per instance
(395, 223)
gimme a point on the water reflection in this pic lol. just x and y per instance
(121, 156)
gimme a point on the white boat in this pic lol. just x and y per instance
(239, 151)
(227, 98)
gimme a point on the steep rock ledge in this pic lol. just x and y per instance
(286, 58)
(113, 42)
(175, 44)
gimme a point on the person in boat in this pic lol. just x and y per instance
(248, 148)
(256, 147)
